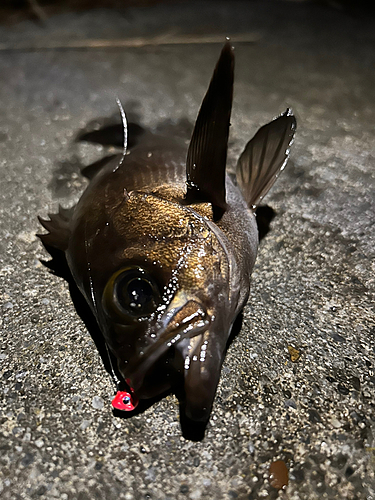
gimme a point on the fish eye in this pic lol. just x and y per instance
(131, 293)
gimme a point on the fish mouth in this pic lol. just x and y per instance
(184, 319)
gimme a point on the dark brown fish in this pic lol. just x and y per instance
(162, 248)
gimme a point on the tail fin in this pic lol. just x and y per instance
(264, 157)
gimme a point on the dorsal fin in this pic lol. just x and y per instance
(58, 228)
(207, 153)
(264, 157)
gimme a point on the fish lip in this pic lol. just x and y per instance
(135, 377)
(169, 334)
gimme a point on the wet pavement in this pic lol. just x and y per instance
(298, 383)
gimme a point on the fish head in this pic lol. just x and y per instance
(160, 280)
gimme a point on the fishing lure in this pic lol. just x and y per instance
(162, 246)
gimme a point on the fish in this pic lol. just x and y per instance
(162, 244)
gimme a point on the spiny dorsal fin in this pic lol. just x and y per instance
(58, 227)
(207, 154)
(264, 157)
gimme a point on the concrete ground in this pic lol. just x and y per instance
(298, 382)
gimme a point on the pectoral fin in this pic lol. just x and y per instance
(94, 168)
(207, 154)
(264, 157)
(113, 135)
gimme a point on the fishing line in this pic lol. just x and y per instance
(125, 127)
(124, 400)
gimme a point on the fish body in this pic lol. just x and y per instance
(162, 247)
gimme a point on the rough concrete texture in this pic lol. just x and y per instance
(313, 283)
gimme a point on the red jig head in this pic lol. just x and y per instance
(125, 401)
